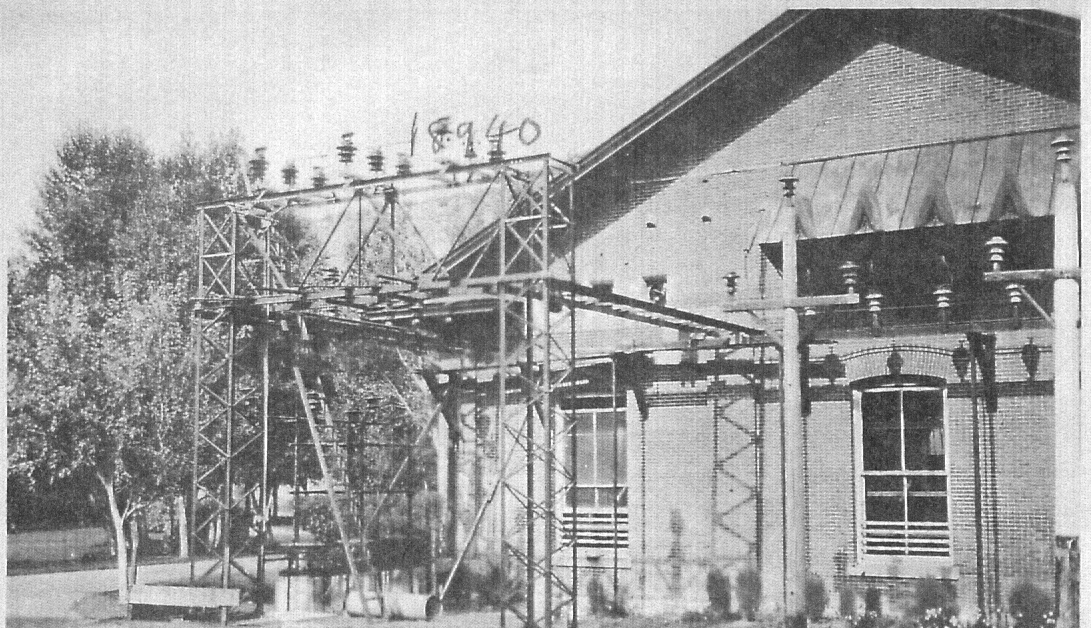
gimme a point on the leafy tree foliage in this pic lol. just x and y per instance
(101, 376)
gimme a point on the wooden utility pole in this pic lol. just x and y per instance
(795, 556)
(1072, 435)
(1085, 425)
(795, 507)
(1066, 378)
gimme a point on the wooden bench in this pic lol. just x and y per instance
(185, 597)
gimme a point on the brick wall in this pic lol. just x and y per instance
(1023, 469)
(885, 99)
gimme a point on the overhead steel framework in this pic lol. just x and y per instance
(478, 257)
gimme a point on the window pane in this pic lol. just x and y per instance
(585, 459)
(924, 437)
(884, 500)
(622, 467)
(928, 498)
(882, 431)
(605, 438)
(884, 509)
(585, 496)
(932, 509)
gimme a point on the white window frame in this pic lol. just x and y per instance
(622, 451)
(597, 527)
(904, 565)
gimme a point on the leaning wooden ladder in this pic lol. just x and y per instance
(329, 481)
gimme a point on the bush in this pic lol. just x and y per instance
(846, 602)
(596, 596)
(934, 603)
(498, 591)
(931, 593)
(694, 617)
(1030, 606)
(748, 585)
(464, 590)
(603, 605)
(815, 597)
(719, 595)
(873, 602)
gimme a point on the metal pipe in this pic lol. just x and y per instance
(613, 416)
(528, 374)
(572, 405)
(412, 606)
(979, 534)
(198, 340)
(501, 413)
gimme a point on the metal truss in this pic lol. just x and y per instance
(367, 268)
(738, 425)
(230, 433)
(535, 480)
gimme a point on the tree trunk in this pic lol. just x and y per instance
(118, 522)
(134, 544)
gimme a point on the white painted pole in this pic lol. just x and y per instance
(795, 549)
(1085, 403)
(1066, 360)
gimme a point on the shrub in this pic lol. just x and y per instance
(464, 590)
(873, 602)
(934, 604)
(1030, 606)
(748, 586)
(596, 596)
(694, 617)
(602, 604)
(931, 593)
(815, 597)
(846, 602)
(719, 594)
(497, 591)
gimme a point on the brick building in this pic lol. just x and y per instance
(915, 136)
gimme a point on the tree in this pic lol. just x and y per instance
(99, 352)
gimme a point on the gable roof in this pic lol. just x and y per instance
(797, 50)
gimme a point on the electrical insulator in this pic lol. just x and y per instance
(471, 154)
(404, 166)
(731, 279)
(496, 151)
(318, 179)
(375, 160)
(1015, 297)
(997, 246)
(258, 165)
(874, 302)
(942, 295)
(347, 149)
(875, 307)
(1030, 354)
(290, 172)
(850, 276)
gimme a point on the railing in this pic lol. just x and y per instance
(912, 538)
(597, 529)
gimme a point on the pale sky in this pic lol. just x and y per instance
(293, 76)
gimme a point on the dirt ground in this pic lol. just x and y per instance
(89, 598)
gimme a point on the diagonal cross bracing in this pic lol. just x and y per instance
(372, 270)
